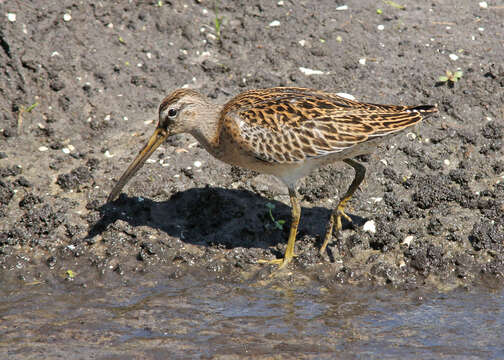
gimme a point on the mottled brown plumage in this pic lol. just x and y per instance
(283, 131)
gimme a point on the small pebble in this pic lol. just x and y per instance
(66, 150)
(453, 57)
(67, 17)
(11, 17)
(483, 5)
(380, 27)
(280, 3)
(309, 72)
(342, 8)
(362, 61)
(43, 148)
(408, 239)
(274, 23)
(107, 117)
(197, 164)
(108, 154)
(446, 162)
(302, 42)
(346, 96)
(369, 227)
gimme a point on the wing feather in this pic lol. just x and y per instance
(285, 125)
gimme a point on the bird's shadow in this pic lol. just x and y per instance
(216, 216)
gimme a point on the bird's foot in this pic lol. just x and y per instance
(283, 262)
(340, 212)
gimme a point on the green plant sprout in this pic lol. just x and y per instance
(22, 110)
(394, 4)
(217, 22)
(450, 77)
(278, 223)
(31, 107)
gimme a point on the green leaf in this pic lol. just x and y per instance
(443, 78)
(32, 106)
(281, 222)
(394, 4)
(379, 11)
(458, 74)
(270, 206)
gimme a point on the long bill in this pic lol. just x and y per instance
(155, 140)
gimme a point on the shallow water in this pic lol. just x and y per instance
(151, 316)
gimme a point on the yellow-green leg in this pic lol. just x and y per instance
(339, 211)
(296, 214)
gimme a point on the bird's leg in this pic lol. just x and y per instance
(296, 214)
(339, 211)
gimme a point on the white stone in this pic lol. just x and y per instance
(380, 27)
(108, 154)
(446, 162)
(483, 5)
(362, 61)
(67, 17)
(342, 8)
(280, 3)
(346, 96)
(453, 57)
(408, 239)
(302, 42)
(274, 23)
(11, 17)
(197, 164)
(309, 72)
(369, 227)
(107, 117)
(66, 150)
(43, 148)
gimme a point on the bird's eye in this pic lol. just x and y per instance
(172, 113)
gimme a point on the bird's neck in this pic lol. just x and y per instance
(207, 131)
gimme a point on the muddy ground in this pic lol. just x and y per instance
(80, 85)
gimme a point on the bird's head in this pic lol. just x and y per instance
(178, 113)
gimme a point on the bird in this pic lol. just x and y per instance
(287, 132)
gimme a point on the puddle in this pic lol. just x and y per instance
(151, 316)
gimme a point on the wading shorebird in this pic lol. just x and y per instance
(284, 131)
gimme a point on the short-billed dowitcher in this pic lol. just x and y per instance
(284, 131)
